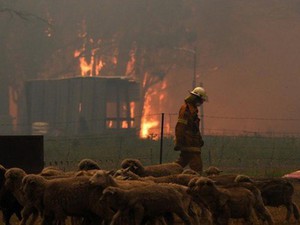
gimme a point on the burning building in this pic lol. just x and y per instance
(82, 105)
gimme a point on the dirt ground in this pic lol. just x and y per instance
(277, 213)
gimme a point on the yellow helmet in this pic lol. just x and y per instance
(200, 92)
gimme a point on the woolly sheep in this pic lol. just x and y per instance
(224, 203)
(62, 197)
(150, 201)
(8, 203)
(13, 183)
(88, 164)
(153, 170)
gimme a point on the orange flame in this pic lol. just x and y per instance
(124, 124)
(148, 121)
(131, 63)
(110, 123)
(132, 110)
(89, 69)
(153, 105)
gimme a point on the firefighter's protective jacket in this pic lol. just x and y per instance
(187, 132)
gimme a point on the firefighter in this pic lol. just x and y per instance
(188, 139)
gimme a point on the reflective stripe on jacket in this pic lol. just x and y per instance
(187, 131)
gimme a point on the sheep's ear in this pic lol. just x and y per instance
(192, 182)
(110, 172)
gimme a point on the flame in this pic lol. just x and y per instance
(132, 110)
(13, 107)
(153, 104)
(89, 69)
(124, 124)
(148, 121)
(110, 124)
(131, 63)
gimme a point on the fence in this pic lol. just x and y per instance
(248, 151)
(255, 155)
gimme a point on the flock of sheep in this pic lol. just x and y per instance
(137, 194)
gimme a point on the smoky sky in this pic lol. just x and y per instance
(247, 52)
(248, 62)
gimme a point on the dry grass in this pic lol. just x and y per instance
(277, 213)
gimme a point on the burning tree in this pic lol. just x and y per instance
(137, 42)
(106, 38)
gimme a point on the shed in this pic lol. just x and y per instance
(82, 105)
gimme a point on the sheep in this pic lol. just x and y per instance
(182, 179)
(147, 202)
(224, 203)
(62, 197)
(190, 171)
(154, 170)
(8, 203)
(51, 171)
(275, 192)
(212, 171)
(261, 211)
(104, 179)
(13, 182)
(223, 179)
(88, 164)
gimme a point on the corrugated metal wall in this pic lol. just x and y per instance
(76, 105)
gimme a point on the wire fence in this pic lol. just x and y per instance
(255, 155)
(234, 150)
(152, 123)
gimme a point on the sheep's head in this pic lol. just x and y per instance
(110, 196)
(134, 165)
(243, 178)
(88, 164)
(192, 186)
(102, 179)
(125, 174)
(51, 171)
(190, 171)
(212, 171)
(201, 186)
(33, 186)
(13, 178)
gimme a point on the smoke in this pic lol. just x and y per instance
(256, 85)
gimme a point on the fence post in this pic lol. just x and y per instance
(161, 137)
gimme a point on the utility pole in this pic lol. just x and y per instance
(194, 52)
(195, 67)
(202, 116)
(194, 83)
